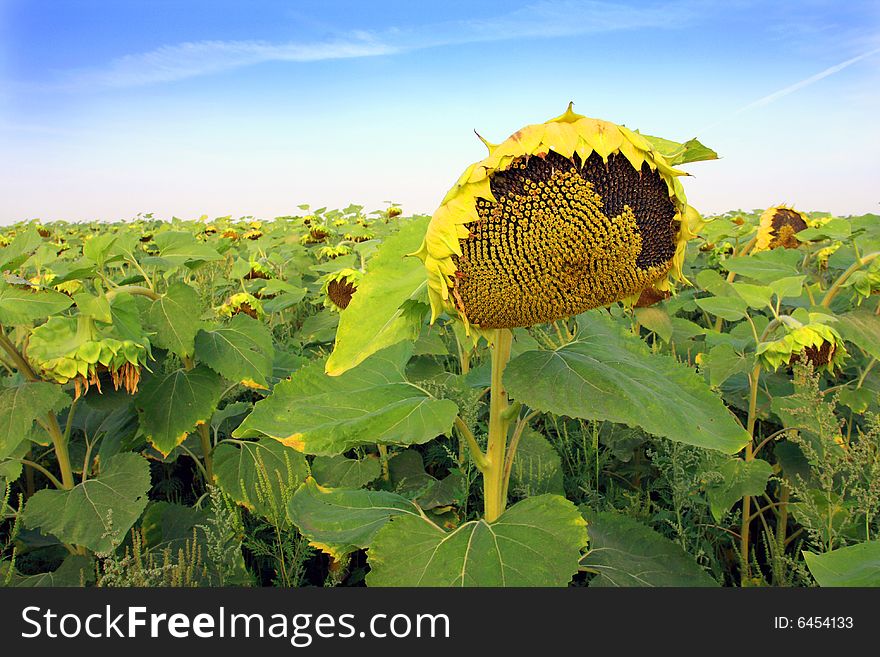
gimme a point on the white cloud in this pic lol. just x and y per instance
(545, 19)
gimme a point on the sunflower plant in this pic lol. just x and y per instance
(560, 220)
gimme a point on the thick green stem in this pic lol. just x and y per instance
(207, 451)
(204, 434)
(493, 475)
(133, 289)
(853, 268)
(62, 454)
(754, 379)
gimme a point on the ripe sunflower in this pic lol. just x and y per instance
(563, 216)
(339, 287)
(72, 349)
(778, 226)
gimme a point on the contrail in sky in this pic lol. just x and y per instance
(776, 95)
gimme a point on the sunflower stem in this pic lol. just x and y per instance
(754, 379)
(835, 288)
(493, 476)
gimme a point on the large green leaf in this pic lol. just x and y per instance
(259, 475)
(624, 552)
(536, 542)
(98, 512)
(341, 520)
(25, 243)
(178, 247)
(75, 571)
(729, 308)
(171, 404)
(342, 472)
(537, 467)
(23, 305)
(862, 328)
(240, 351)
(176, 318)
(856, 565)
(374, 319)
(371, 404)
(766, 266)
(609, 374)
(736, 479)
(21, 405)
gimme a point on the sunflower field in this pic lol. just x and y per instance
(564, 377)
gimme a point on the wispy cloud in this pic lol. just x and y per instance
(790, 89)
(187, 60)
(545, 19)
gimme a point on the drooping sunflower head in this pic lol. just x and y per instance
(813, 341)
(241, 302)
(778, 227)
(339, 287)
(66, 349)
(563, 216)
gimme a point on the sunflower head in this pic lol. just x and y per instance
(778, 227)
(339, 287)
(66, 349)
(563, 216)
(813, 342)
(242, 302)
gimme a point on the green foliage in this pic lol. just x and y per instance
(536, 542)
(606, 374)
(120, 342)
(624, 552)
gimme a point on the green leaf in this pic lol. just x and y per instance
(25, 243)
(836, 229)
(178, 247)
(408, 477)
(655, 319)
(371, 404)
(239, 469)
(74, 571)
(536, 542)
(856, 565)
(722, 362)
(240, 351)
(23, 305)
(170, 405)
(729, 308)
(91, 305)
(737, 479)
(766, 266)
(609, 374)
(862, 328)
(176, 319)
(624, 552)
(676, 153)
(97, 247)
(756, 296)
(342, 472)
(21, 405)
(537, 468)
(340, 520)
(97, 513)
(789, 287)
(374, 318)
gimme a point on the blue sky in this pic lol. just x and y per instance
(185, 107)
